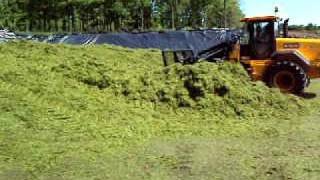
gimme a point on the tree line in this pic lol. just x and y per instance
(116, 15)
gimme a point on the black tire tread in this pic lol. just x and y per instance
(299, 74)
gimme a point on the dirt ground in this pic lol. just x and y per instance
(304, 34)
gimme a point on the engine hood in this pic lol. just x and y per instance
(310, 48)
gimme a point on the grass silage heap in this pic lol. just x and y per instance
(62, 104)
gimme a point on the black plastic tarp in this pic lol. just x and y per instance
(174, 40)
(196, 41)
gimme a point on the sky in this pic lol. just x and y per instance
(299, 11)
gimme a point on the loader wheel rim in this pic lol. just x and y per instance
(285, 81)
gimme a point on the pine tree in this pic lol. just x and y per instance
(115, 15)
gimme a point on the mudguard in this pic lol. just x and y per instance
(293, 56)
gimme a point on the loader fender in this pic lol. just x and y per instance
(293, 56)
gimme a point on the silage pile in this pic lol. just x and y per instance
(138, 76)
(224, 89)
(67, 106)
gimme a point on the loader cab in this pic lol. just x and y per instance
(258, 39)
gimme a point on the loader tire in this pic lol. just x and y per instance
(288, 76)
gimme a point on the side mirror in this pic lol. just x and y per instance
(286, 28)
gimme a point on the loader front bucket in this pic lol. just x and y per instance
(178, 56)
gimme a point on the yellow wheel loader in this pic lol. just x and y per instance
(279, 61)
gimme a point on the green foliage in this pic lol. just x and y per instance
(114, 15)
(71, 112)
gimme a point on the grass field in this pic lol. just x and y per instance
(105, 112)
